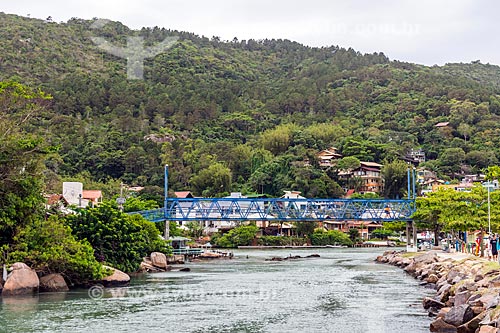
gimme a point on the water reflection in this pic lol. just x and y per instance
(343, 291)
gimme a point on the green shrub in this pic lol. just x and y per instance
(118, 239)
(382, 233)
(239, 236)
(280, 241)
(49, 246)
(330, 237)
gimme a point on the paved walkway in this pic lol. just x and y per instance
(454, 255)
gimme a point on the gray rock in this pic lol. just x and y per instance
(410, 269)
(453, 273)
(117, 279)
(427, 258)
(489, 300)
(462, 297)
(474, 300)
(431, 302)
(443, 312)
(466, 285)
(53, 283)
(432, 278)
(458, 278)
(488, 329)
(459, 315)
(440, 326)
(471, 325)
(159, 259)
(443, 293)
(492, 272)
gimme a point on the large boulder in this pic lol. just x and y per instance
(485, 301)
(459, 315)
(444, 293)
(429, 302)
(439, 325)
(175, 259)
(21, 281)
(472, 325)
(117, 279)
(427, 258)
(495, 282)
(465, 285)
(462, 297)
(53, 282)
(159, 259)
(147, 266)
(432, 278)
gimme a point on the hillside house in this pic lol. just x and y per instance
(328, 157)
(462, 187)
(370, 175)
(415, 156)
(424, 176)
(365, 227)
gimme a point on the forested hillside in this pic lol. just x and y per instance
(241, 115)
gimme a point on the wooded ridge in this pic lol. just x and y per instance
(241, 115)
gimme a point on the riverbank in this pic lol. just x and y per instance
(467, 289)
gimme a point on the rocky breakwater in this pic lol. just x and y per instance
(467, 290)
(159, 262)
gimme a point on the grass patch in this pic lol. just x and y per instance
(409, 254)
(489, 266)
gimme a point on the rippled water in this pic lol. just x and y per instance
(343, 291)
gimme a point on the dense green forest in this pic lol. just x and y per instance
(240, 115)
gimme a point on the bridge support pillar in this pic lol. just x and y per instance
(411, 237)
(166, 234)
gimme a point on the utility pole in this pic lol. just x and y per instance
(121, 200)
(167, 222)
(489, 209)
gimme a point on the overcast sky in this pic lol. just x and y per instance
(421, 31)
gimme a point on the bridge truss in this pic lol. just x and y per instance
(287, 210)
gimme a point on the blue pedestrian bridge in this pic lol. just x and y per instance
(287, 210)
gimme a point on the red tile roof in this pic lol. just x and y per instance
(349, 193)
(92, 194)
(55, 198)
(183, 194)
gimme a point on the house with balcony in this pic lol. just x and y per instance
(370, 177)
(415, 156)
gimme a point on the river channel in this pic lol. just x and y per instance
(342, 291)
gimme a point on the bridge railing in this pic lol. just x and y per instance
(259, 209)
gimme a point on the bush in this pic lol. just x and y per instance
(49, 246)
(118, 239)
(281, 241)
(331, 237)
(382, 233)
(239, 236)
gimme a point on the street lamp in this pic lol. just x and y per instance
(489, 210)
(488, 185)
